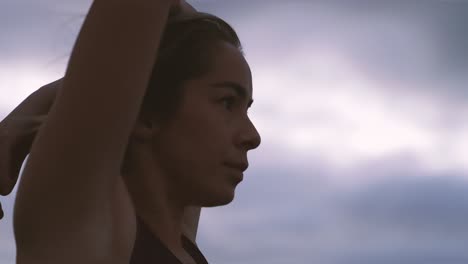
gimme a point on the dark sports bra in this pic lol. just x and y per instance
(148, 249)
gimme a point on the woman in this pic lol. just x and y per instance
(150, 119)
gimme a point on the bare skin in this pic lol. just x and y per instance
(190, 152)
(204, 136)
(65, 169)
(17, 132)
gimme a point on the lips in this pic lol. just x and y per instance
(240, 166)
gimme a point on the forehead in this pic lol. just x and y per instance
(229, 64)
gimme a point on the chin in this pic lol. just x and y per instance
(218, 199)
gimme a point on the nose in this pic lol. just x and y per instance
(248, 138)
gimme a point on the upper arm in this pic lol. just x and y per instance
(64, 200)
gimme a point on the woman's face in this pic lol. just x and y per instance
(210, 130)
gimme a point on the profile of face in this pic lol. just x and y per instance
(209, 133)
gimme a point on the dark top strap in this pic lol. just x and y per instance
(148, 249)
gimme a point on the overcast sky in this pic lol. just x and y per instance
(363, 111)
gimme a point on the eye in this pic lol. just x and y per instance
(228, 102)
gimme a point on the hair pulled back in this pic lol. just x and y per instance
(186, 52)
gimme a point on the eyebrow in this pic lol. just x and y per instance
(238, 89)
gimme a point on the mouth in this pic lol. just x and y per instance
(238, 166)
(237, 174)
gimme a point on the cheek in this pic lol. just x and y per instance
(205, 136)
(198, 171)
(195, 146)
(198, 142)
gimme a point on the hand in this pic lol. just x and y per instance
(17, 132)
(16, 137)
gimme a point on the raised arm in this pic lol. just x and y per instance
(17, 132)
(63, 207)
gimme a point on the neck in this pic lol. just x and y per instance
(154, 200)
(164, 217)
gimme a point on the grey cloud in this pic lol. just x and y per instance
(37, 30)
(416, 48)
(432, 207)
(438, 57)
(405, 257)
(3, 113)
(289, 212)
(404, 216)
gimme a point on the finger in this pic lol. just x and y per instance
(12, 154)
(5, 170)
(1, 211)
(7, 180)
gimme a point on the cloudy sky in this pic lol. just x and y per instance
(363, 111)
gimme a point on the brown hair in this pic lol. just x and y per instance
(185, 53)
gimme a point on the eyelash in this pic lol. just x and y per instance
(231, 100)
